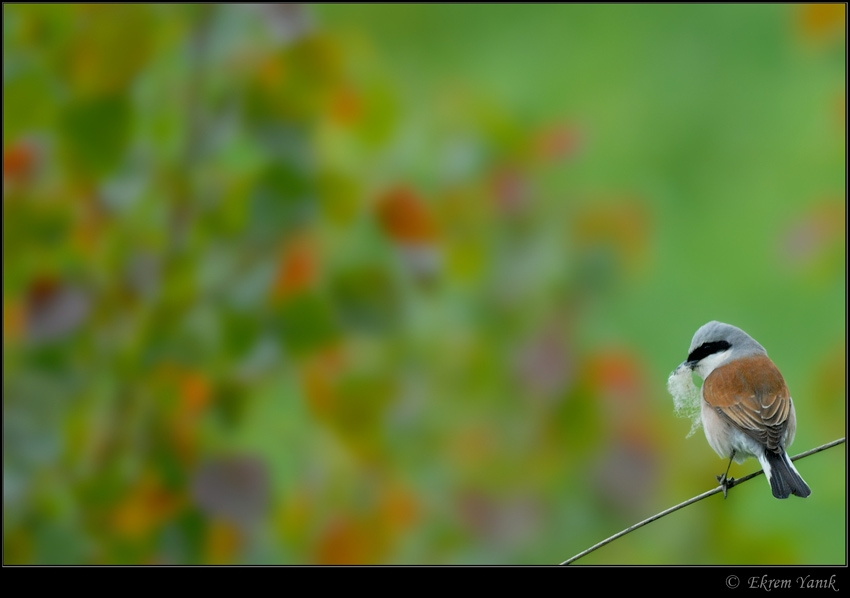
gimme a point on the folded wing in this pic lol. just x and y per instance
(751, 394)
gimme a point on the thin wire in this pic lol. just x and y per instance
(693, 500)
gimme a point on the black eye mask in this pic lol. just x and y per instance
(706, 349)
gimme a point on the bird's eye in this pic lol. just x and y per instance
(706, 349)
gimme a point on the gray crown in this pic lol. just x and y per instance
(742, 344)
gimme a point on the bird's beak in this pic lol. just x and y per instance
(685, 366)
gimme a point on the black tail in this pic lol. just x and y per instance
(783, 477)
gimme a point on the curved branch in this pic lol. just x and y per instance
(691, 501)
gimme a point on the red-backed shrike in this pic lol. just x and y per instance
(746, 409)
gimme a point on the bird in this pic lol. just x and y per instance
(746, 408)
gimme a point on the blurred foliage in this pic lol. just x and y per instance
(404, 283)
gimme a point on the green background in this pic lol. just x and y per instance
(404, 283)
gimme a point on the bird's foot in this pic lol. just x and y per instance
(725, 483)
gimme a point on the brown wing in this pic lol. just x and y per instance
(751, 394)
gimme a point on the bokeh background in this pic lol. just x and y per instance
(404, 283)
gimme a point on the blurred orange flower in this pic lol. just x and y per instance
(348, 541)
(14, 320)
(297, 269)
(195, 391)
(557, 142)
(346, 106)
(398, 507)
(404, 217)
(819, 21)
(147, 505)
(19, 161)
(319, 376)
(223, 542)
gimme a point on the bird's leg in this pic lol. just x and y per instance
(726, 482)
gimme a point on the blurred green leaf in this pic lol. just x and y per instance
(307, 323)
(240, 330)
(367, 299)
(95, 133)
(28, 99)
(339, 196)
(283, 200)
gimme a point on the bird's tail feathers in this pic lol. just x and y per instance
(783, 476)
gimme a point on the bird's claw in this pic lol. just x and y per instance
(725, 483)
